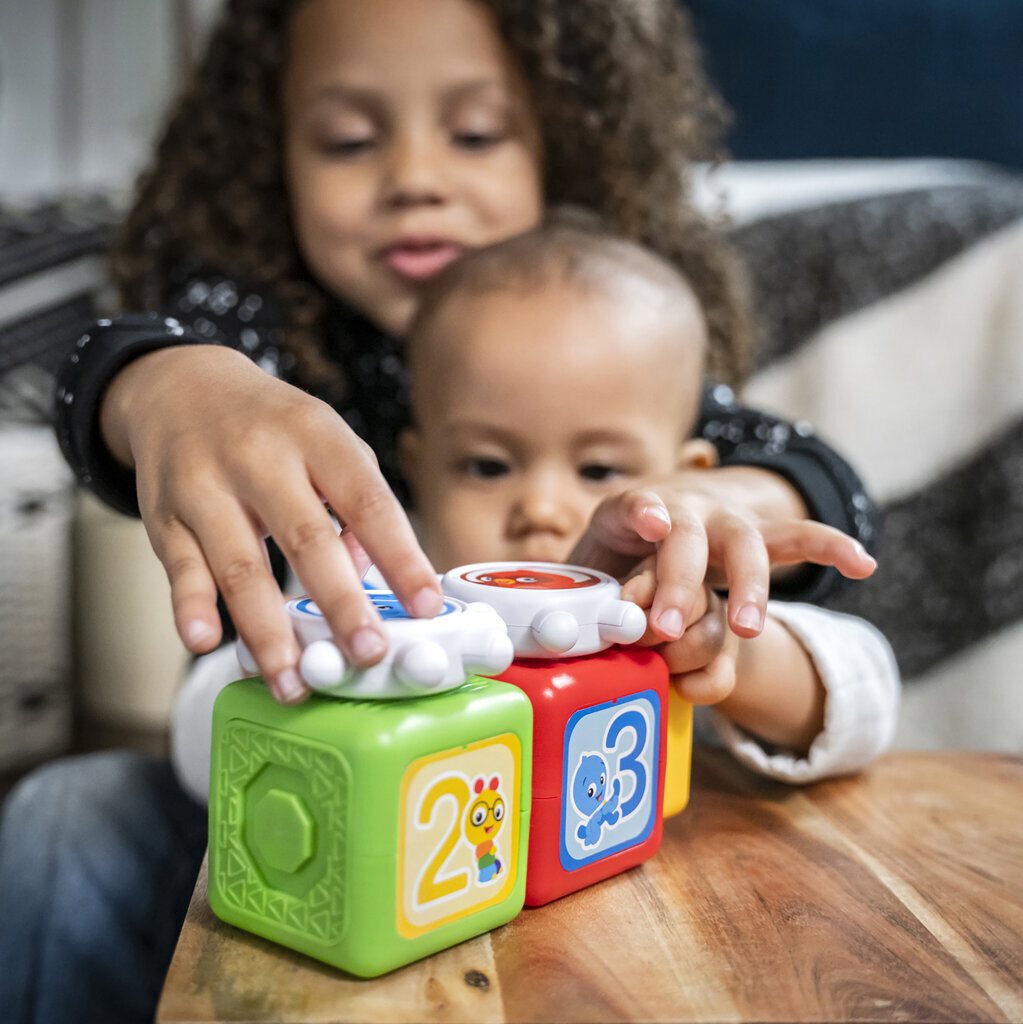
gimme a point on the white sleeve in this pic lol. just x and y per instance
(858, 670)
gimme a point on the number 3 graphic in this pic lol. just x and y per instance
(630, 760)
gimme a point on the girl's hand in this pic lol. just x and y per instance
(226, 455)
(698, 528)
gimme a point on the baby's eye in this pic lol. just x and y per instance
(599, 472)
(346, 149)
(484, 468)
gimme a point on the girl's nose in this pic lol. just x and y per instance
(415, 173)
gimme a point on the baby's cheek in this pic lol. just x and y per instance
(464, 530)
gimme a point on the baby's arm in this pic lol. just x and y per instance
(778, 695)
(821, 687)
(815, 695)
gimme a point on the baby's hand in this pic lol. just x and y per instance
(226, 455)
(698, 532)
(702, 661)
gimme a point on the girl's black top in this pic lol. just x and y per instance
(211, 308)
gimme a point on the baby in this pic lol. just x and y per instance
(557, 369)
(551, 372)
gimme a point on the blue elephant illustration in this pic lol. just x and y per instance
(589, 787)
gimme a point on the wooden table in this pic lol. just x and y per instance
(895, 896)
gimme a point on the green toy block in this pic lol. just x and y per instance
(368, 834)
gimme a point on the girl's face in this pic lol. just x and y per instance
(409, 138)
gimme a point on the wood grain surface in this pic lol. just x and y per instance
(896, 895)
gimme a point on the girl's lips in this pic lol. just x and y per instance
(418, 261)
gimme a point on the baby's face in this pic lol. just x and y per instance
(532, 408)
(409, 139)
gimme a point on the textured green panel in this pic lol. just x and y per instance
(265, 766)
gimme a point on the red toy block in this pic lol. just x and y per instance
(599, 744)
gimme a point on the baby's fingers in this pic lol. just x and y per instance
(701, 643)
(796, 541)
(622, 529)
(739, 546)
(709, 685)
(681, 567)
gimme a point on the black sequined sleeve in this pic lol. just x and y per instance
(833, 492)
(202, 308)
(97, 357)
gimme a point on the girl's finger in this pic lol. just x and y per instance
(796, 541)
(304, 531)
(739, 547)
(193, 589)
(236, 556)
(356, 552)
(368, 508)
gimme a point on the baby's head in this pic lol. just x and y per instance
(546, 372)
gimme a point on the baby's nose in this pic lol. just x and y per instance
(547, 506)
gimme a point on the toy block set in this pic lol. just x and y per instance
(504, 753)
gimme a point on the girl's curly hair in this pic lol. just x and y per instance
(624, 109)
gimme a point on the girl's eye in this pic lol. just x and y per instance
(484, 469)
(599, 472)
(476, 141)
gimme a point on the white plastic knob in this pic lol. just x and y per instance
(322, 665)
(422, 665)
(487, 654)
(551, 610)
(621, 622)
(423, 656)
(555, 631)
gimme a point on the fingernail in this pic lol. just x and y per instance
(426, 603)
(749, 617)
(367, 646)
(289, 687)
(198, 632)
(671, 623)
(658, 512)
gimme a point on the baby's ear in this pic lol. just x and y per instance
(697, 454)
(409, 457)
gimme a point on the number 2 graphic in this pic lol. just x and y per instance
(432, 886)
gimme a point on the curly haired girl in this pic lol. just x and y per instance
(329, 158)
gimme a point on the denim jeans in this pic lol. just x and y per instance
(98, 857)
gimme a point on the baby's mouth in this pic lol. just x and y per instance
(420, 259)
(538, 551)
